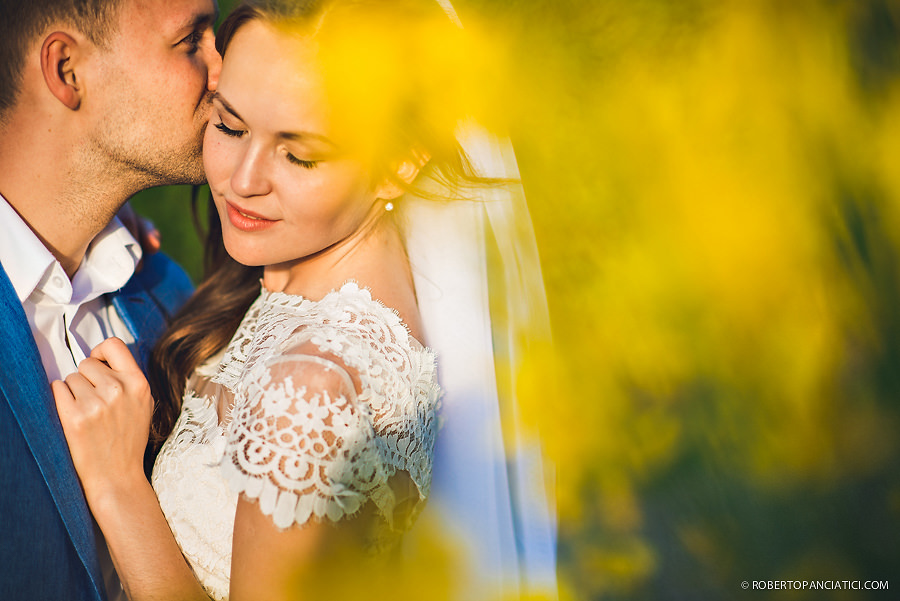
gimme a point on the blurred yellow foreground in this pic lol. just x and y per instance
(715, 186)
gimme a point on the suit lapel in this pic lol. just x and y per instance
(24, 384)
(139, 310)
(149, 299)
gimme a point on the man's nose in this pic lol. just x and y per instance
(214, 68)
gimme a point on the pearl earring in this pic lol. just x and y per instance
(388, 206)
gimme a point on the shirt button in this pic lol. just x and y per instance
(57, 281)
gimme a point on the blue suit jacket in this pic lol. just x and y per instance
(47, 546)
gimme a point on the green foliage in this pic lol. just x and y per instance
(169, 208)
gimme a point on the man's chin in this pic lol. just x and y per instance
(186, 170)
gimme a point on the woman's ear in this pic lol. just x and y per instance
(58, 66)
(406, 171)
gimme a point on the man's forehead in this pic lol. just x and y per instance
(170, 14)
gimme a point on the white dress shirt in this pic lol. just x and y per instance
(69, 318)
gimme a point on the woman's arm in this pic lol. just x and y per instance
(303, 454)
(294, 564)
(105, 411)
(315, 561)
(146, 557)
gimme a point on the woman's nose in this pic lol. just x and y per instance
(250, 177)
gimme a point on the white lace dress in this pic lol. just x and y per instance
(310, 409)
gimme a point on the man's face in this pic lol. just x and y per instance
(152, 95)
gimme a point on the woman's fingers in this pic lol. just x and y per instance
(64, 399)
(78, 406)
(115, 353)
(115, 374)
(102, 378)
(81, 388)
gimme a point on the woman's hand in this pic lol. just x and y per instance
(105, 411)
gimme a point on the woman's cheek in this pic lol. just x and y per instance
(215, 159)
(209, 151)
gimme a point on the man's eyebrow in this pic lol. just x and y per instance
(300, 136)
(201, 20)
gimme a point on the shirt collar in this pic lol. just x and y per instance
(24, 257)
(107, 265)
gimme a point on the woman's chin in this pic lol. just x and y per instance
(246, 257)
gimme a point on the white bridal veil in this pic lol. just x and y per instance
(489, 478)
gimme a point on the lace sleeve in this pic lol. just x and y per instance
(301, 444)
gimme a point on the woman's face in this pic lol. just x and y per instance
(283, 189)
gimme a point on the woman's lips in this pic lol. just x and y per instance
(246, 221)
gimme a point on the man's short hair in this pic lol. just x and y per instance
(21, 21)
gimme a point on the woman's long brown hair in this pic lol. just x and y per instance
(209, 319)
(203, 326)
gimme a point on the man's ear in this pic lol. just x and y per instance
(405, 171)
(57, 64)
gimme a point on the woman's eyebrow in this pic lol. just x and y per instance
(301, 136)
(218, 97)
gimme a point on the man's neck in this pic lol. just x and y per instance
(65, 202)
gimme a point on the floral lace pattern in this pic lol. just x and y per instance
(319, 404)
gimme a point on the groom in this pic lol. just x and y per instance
(99, 99)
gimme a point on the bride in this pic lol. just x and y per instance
(296, 392)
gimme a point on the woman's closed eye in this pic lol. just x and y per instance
(237, 133)
(301, 162)
(233, 133)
